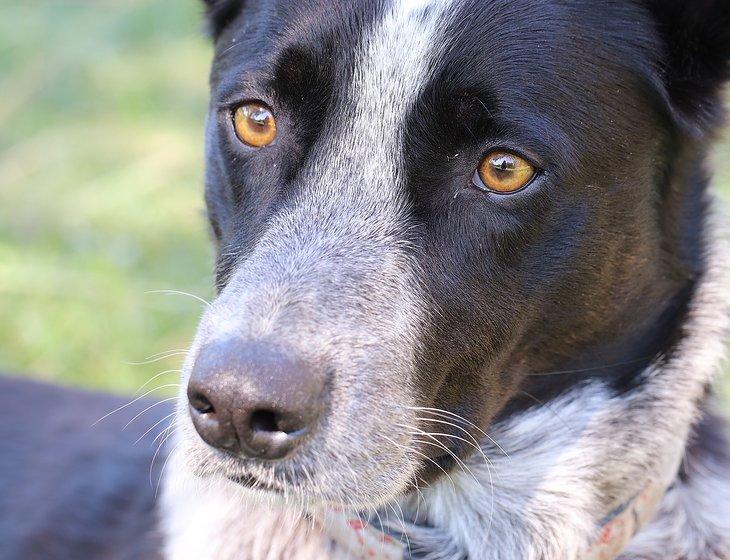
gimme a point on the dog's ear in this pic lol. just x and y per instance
(220, 13)
(696, 36)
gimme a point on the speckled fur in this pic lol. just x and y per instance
(559, 469)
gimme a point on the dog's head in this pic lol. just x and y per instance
(421, 205)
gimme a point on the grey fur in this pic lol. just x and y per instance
(332, 280)
(560, 469)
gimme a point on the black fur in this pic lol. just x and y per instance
(220, 13)
(70, 489)
(694, 65)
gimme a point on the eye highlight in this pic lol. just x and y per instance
(255, 124)
(504, 172)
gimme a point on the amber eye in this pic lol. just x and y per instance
(255, 124)
(504, 172)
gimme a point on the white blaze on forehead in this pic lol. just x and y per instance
(394, 64)
(353, 200)
(392, 67)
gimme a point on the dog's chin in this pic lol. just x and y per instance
(300, 480)
(286, 488)
(286, 493)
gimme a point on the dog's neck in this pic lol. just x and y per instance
(544, 493)
(372, 538)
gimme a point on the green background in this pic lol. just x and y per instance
(101, 117)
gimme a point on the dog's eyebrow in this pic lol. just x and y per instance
(300, 71)
(548, 143)
(246, 83)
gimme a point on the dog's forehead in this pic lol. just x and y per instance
(545, 72)
(527, 52)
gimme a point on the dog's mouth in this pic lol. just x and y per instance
(292, 479)
(271, 481)
(278, 490)
(251, 482)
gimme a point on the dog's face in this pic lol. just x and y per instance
(418, 205)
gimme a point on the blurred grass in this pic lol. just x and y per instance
(101, 118)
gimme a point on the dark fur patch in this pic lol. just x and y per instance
(696, 57)
(74, 489)
(585, 275)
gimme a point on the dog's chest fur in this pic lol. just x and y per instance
(692, 522)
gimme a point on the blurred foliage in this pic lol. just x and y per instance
(101, 119)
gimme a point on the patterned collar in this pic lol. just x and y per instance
(371, 540)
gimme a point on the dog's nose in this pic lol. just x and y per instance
(249, 398)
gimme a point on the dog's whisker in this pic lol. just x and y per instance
(420, 454)
(158, 357)
(420, 498)
(158, 436)
(162, 471)
(356, 479)
(448, 414)
(150, 407)
(402, 522)
(170, 429)
(434, 436)
(472, 440)
(180, 293)
(309, 483)
(153, 426)
(151, 379)
(591, 369)
(548, 408)
(440, 445)
(473, 443)
(130, 403)
(163, 353)
(491, 502)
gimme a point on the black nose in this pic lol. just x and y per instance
(250, 398)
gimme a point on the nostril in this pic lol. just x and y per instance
(273, 434)
(266, 421)
(201, 403)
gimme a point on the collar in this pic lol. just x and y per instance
(621, 525)
(372, 540)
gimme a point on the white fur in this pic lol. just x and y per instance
(209, 517)
(693, 522)
(333, 265)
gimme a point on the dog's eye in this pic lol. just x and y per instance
(255, 124)
(504, 173)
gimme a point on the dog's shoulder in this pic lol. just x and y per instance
(76, 489)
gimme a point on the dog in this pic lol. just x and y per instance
(472, 295)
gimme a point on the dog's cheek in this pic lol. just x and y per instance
(369, 440)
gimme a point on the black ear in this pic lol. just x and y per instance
(696, 35)
(220, 13)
